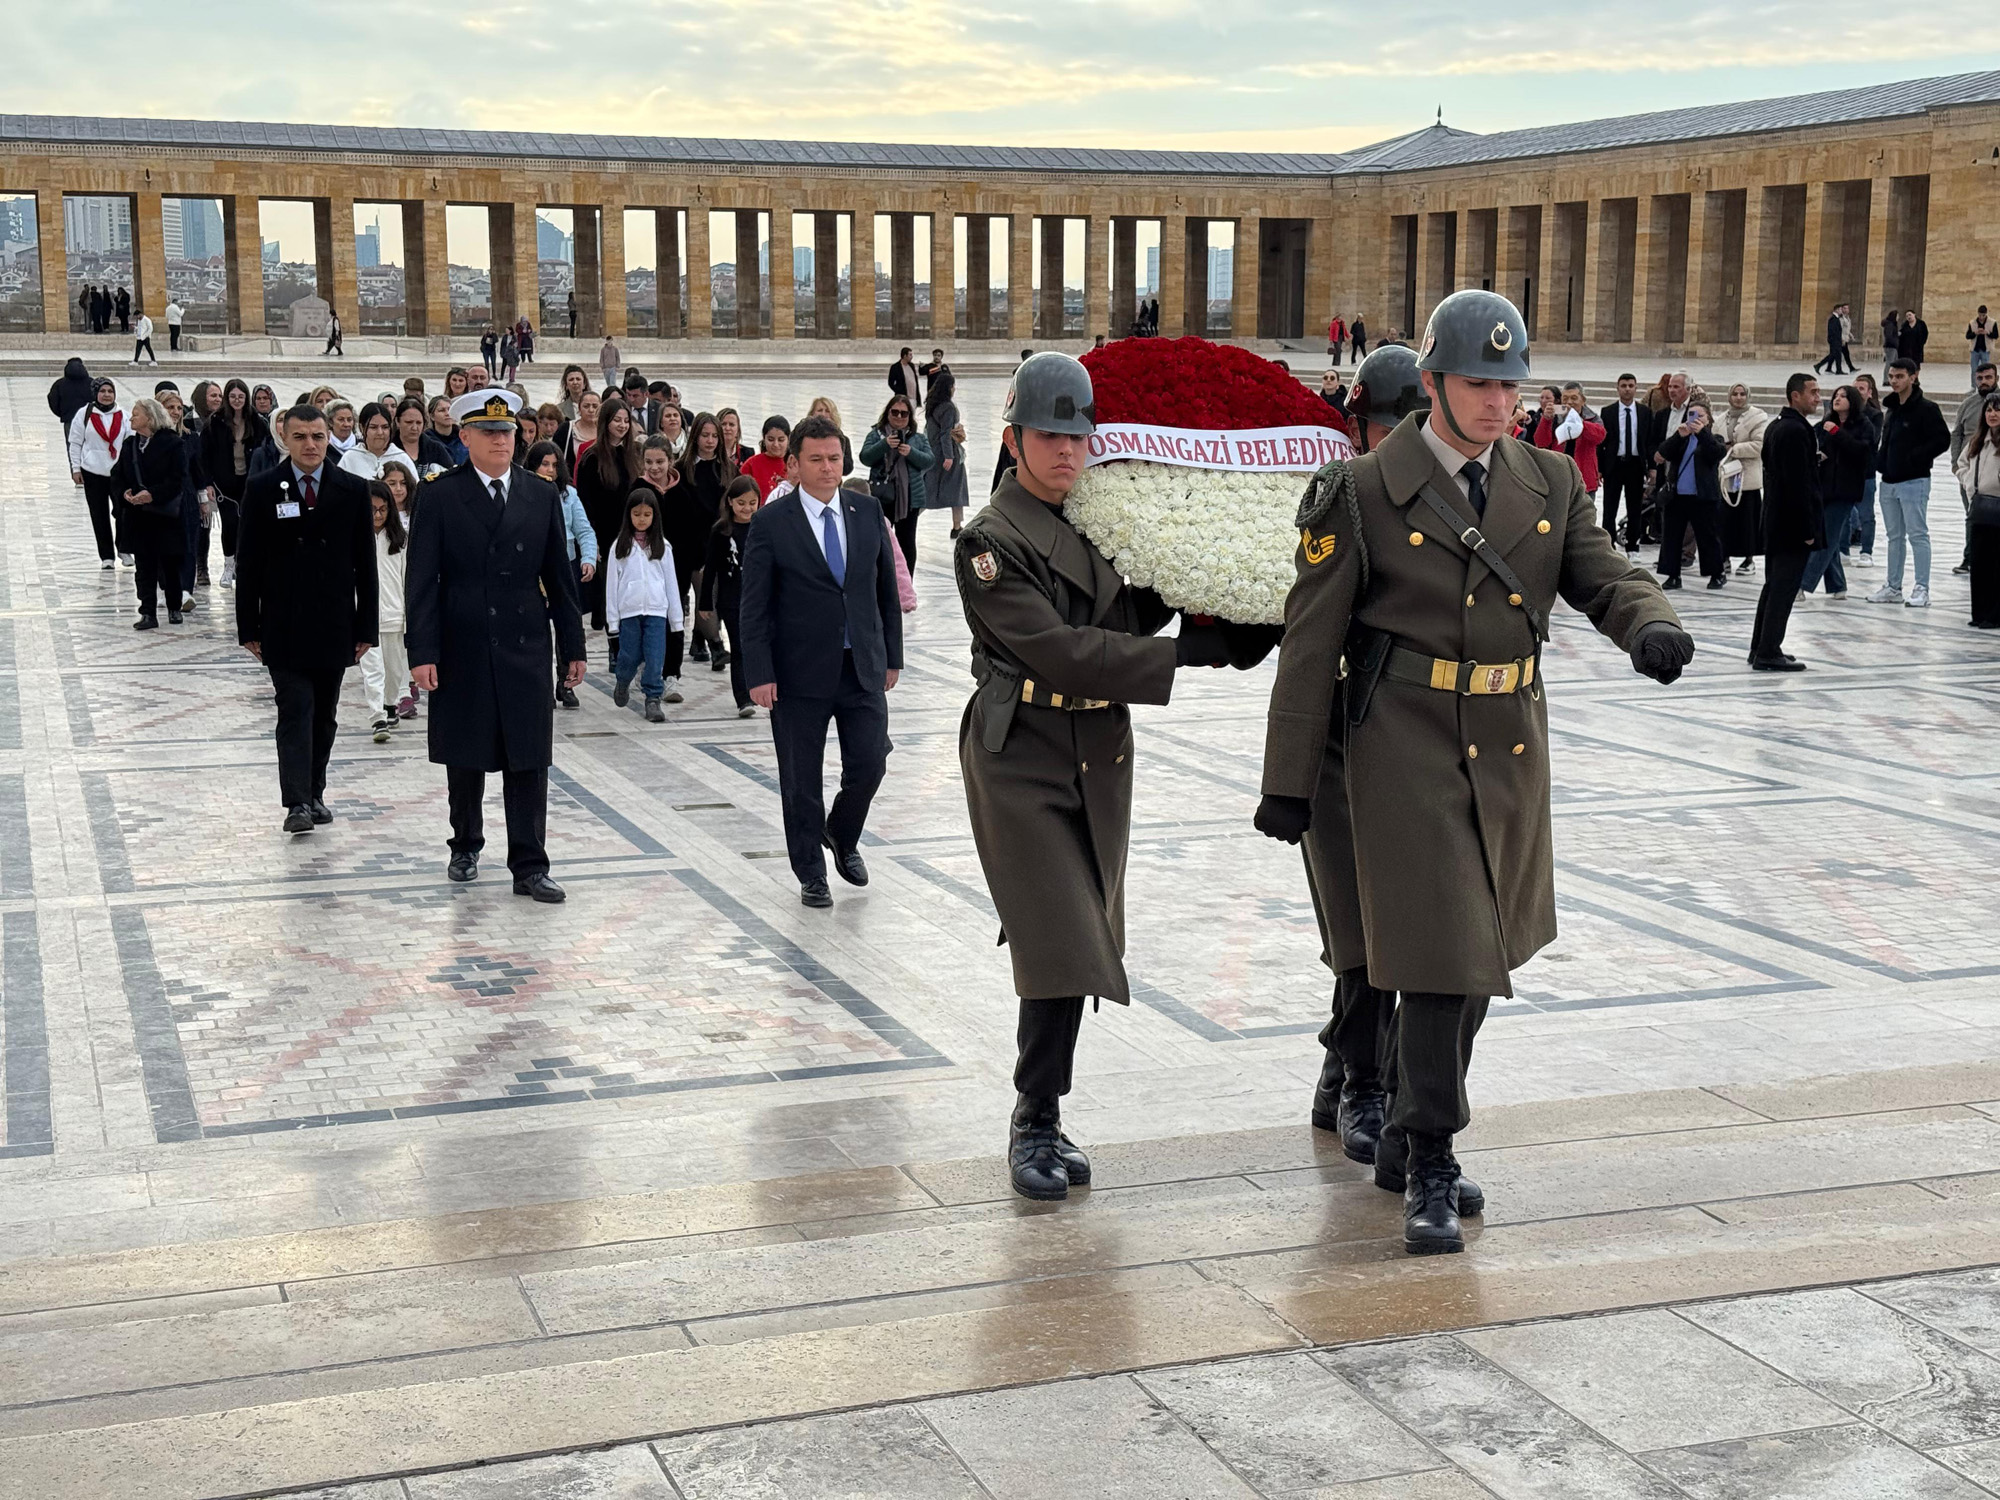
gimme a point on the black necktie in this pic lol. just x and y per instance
(1625, 421)
(499, 495)
(1475, 478)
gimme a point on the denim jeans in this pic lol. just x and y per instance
(1905, 504)
(1825, 562)
(1863, 530)
(643, 638)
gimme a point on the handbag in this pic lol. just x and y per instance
(1730, 471)
(1984, 510)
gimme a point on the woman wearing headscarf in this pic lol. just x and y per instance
(97, 434)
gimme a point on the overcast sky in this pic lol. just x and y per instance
(1242, 74)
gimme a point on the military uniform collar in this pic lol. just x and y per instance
(1034, 519)
(1045, 530)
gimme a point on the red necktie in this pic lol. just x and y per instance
(311, 496)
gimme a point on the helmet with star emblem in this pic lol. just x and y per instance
(1477, 334)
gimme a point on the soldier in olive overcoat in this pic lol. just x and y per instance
(1060, 645)
(1466, 538)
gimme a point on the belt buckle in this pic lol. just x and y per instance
(1484, 680)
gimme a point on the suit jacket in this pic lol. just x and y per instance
(1644, 439)
(305, 584)
(897, 380)
(1794, 484)
(485, 585)
(795, 615)
(1835, 335)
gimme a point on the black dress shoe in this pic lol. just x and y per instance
(814, 893)
(146, 622)
(463, 867)
(1033, 1159)
(298, 818)
(173, 617)
(566, 696)
(1430, 1200)
(1390, 1154)
(1718, 581)
(541, 888)
(1671, 583)
(1777, 664)
(320, 812)
(1362, 1106)
(847, 861)
(1326, 1095)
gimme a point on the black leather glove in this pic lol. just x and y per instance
(1248, 645)
(1284, 818)
(1200, 644)
(1661, 650)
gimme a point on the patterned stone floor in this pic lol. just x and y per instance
(212, 1032)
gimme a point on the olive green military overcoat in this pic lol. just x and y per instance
(1448, 794)
(1052, 806)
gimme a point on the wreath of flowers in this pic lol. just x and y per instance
(1213, 541)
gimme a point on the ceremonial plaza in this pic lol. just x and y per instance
(325, 1173)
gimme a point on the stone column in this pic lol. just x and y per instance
(1510, 251)
(1552, 292)
(749, 276)
(671, 309)
(333, 243)
(1757, 322)
(1049, 309)
(586, 281)
(861, 273)
(611, 308)
(700, 294)
(1704, 268)
(418, 284)
(1321, 247)
(1172, 295)
(1597, 244)
(1867, 318)
(1433, 270)
(784, 312)
(1020, 279)
(1816, 292)
(52, 254)
(243, 250)
(1194, 285)
(1649, 272)
(501, 265)
(1124, 276)
(902, 275)
(944, 275)
(1246, 267)
(149, 259)
(826, 275)
(1097, 276)
(978, 276)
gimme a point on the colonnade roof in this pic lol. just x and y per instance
(1434, 146)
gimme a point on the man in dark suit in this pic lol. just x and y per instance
(1835, 360)
(488, 575)
(822, 642)
(903, 376)
(1621, 459)
(306, 604)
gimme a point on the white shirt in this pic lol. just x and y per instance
(486, 481)
(174, 315)
(815, 509)
(1454, 462)
(358, 460)
(1675, 416)
(143, 329)
(1630, 429)
(637, 585)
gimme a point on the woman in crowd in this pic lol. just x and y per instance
(489, 351)
(732, 439)
(767, 465)
(385, 667)
(1863, 530)
(509, 357)
(1693, 497)
(545, 459)
(376, 449)
(445, 430)
(1741, 428)
(946, 435)
(707, 470)
(193, 484)
(1979, 472)
(822, 406)
(455, 383)
(1846, 458)
(673, 427)
(229, 440)
(580, 431)
(149, 479)
(96, 435)
(897, 456)
(203, 403)
(340, 426)
(721, 594)
(575, 381)
(604, 480)
(524, 340)
(415, 441)
(263, 401)
(548, 422)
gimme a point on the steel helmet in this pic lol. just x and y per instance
(1051, 392)
(1386, 387)
(1476, 334)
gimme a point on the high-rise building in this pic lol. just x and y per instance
(1152, 269)
(802, 262)
(368, 245)
(551, 243)
(17, 220)
(172, 241)
(98, 226)
(201, 227)
(270, 252)
(1221, 273)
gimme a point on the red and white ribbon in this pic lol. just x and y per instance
(1263, 450)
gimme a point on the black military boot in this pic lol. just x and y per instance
(1073, 1160)
(1430, 1199)
(1390, 1153)
(1326, 1097)
(1362, 1104)
(1034, 1157)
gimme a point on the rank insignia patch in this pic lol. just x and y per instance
(1317, 548)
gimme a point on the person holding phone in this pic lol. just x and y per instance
(1693, 457)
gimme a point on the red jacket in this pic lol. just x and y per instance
(1582, 450)
(767, 471)
(1336, 331)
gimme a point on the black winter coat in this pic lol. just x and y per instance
(306, 587)
(1793, 514)
(70, 394)
(1709, 452)
(160, 469)
(1913, 435)
(485, 584)
(1847, 458)
(218, 458)
(722, 571)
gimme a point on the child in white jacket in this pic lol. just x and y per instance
(385, 668)
(642, 594)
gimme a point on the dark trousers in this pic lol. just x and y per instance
(738, 688)
(677, 639)
(97, 495)
(1358, 1031)
(798, 728)
(1431, 1042)
(145, 347)
(1046, 1041)
(229, 518)
(1624, 477)
(173, 335)
(1982, 547)
(906, 538)
(526, 797)
(307, 702)
(156, 557)
(1783, 568)
(1683, 511)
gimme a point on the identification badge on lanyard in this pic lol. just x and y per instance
(288, 510)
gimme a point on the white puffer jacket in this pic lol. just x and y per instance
(1743, 431)
(88, 452)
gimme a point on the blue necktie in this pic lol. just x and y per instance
(835, 560)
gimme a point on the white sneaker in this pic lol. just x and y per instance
(1836, 596)
(673, 693)
(1920, 598)
(229, 573)
(125, 560)
(1861, 560)
(1887, 594)
(108, 565)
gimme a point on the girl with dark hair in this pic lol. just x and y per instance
(574, 383)
(721, 591)
(642, 602)
(1979, 472)
(1847, 441)
(385, 666)
(545, 461)
(229, 440)
(768, 466)
(604, 479)
(414, 439)
(945, 432)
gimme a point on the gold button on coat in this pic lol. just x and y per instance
(1518, 749)
(1416, 539)
(1542, 527)
(1468, 601)
(1513, 598)
(1472, 752)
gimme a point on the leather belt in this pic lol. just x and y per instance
(1466, 678)
(1034, 693)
